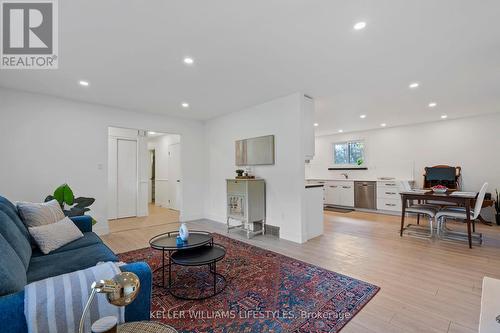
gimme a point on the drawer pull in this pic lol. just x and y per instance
(392, 193)
(346, 187)
(391, 205)
(390, 184)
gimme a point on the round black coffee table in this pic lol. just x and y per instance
(207, 255)
(167, 242)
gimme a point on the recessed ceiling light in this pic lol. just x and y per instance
(432, 104)
(383, 124)
(84, 83)
(341, 131)
(188, 61)
(185, 105)
(360, 26)
(316, 124)
(443, 116)
(363, 116)
(414, 85)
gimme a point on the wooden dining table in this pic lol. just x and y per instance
(461, 200)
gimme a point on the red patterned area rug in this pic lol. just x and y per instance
(265, 292)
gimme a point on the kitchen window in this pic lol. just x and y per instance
(349, 153)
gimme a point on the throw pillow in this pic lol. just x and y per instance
(52, 236)
(37, 214)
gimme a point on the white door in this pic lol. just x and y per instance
(174, 176)
(126, 178)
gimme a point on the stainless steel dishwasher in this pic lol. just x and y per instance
(365, 195)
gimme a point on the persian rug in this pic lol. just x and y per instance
(265, 292)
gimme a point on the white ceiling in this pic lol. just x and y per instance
(248, 52)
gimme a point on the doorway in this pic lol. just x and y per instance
(144, 173)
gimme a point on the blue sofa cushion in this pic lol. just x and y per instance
(8, 208)
(12, 313)
(53, 264)
(89, 238)
(19, 243)
(12, 271)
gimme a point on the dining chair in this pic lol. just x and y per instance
(413, 207)
(460, 213)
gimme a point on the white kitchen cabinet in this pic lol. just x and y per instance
(347, 194)
(339, 193)
(388, 197)
(308, 138)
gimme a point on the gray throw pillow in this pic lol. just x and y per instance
(52, 236)
(37, 214)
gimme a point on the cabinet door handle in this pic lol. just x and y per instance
(346, 187)
(333, 186)
(390, 184)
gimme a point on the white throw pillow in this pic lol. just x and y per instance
(37, 214)
(52, 236)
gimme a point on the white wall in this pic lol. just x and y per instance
(162, 182)
(284, 180)
(403, 152)
(46, 141)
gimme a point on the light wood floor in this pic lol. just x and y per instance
(426, 286)
(157, 216)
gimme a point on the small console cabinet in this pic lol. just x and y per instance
(246, 203)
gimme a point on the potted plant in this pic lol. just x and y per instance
(70, 205)
(497, 207)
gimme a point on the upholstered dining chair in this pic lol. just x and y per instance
(421, 209)
(460, 212)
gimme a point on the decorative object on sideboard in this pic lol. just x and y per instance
(497, 206)
(70, 205)
(439, 189)
(184, 232)
(239, 173)
(120, 291)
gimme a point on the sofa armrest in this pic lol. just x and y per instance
(12, 313)
(140, 308)
(84, 222)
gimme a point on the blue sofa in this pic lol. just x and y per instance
(22, 263)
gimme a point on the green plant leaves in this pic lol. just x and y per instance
(64, 195)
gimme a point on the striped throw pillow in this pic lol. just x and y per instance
(37, 214)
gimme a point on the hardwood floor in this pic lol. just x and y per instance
(157, 216)
(426, 285)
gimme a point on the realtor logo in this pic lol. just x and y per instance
(29, 34)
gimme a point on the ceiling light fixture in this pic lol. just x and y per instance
(363, 116)
(414, 85)
(443, 116)
(151, 133)
(84, 83)
(341, 131)
(188, 61)
(316, 124)
(432, 105)
(360, 26)
(185, 105)
(383, 125)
